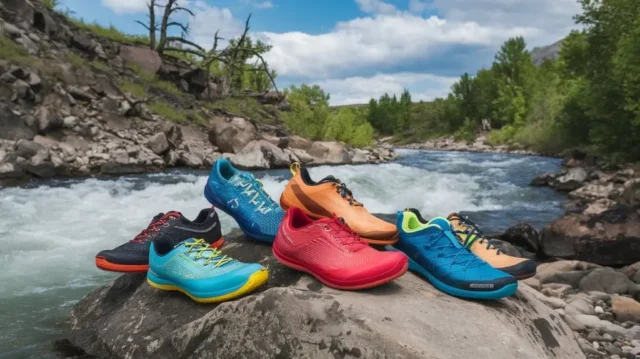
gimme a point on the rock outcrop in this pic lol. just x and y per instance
(297, 317)
(105, 108)
(478, 145)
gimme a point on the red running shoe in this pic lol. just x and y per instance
(330, 251)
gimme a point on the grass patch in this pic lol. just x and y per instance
(167, 111)
(132, 88)
(153, 81)
(51, 4)
(15, 53)
(111, 32)
(76, 60)
(99, 65)
(246, 106)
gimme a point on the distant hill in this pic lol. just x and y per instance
(539, 54)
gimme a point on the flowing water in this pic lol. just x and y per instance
(50, 231)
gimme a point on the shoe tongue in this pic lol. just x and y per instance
(447, 229)
(328, 179)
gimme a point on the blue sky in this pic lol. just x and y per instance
(358, 49)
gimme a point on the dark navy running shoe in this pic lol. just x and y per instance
(133, 256)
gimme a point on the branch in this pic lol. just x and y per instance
(184, 51)
(179, 8)
(185, 28)
(186, 42)
(143, 24)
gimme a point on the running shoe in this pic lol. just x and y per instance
(133, 256)
(329, 197)
(201, 272)
(240, 195)
(330, 251)
(436, 253)
(471, 237)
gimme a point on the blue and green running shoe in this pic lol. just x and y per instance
(240, 195)
(435, 253)
(203, 273)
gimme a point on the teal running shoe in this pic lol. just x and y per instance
(203, 273)
(436, 253)
(240, 195)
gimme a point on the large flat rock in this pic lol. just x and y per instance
(295, 316)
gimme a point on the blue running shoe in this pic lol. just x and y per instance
(240, 195)
(435, 253)
(201, 272)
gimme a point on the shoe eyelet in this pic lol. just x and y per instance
(326, 228)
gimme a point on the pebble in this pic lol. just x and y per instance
(607, 337)
(611, 349)
(635, 343)
(596, 346)
(594, 336)
(614, 357)
(599, 309)
(626, 349)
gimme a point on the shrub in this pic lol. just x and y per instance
(167, 111)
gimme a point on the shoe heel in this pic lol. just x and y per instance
(208, 194)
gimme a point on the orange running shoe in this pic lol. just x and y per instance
(329, 197)
(471, 237)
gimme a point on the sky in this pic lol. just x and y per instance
(359, 49)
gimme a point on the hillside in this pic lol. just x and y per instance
(75, 100)
(549, 52)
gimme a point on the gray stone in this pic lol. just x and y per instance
(360, 156)
(606, 280)
(47, 120)
(190, 159)
(232, 136)
(28, 149)
(158, 143)
(302, 155)
(298, 142)
(579, 304)
(593, 322)
(145, 58)
(171, 158)
(557, 290)
(10, 170)
(12, 127)
(21, 90)
(294, 316)
(523, 235)
(611, 349)
(553, 303)
(11, 30)
(69, 122)
(574, 179)
(28, 44)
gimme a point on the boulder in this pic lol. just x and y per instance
(281, 142)
(606, 280)
(572, 180)
(232, 136)
(299, 142)
(294, 316)
(189, 159)
(116, 169)
(360, 156)
(174, 136)
(543, 180)
(148, 60)
(523, 235)
(631, 192)
(301, 155)
(593, 191)
(28, 149)
(328, 152)
(611, 238)
(47, 120)
(10, 170)
(158, 143)
(564, 272)
(12, 127)
(40, 165)
(625, 309)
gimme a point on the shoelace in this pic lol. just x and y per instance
(460, 255)
(347, 236)
(155, 226)
(346, 193)
(203, 250)
(259, 186)
(473, 231)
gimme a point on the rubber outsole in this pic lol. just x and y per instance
(524, 270)
(254, 281)
(262, 238)
(104, 263)
(291, 264)
(379, 242)
(505, 291)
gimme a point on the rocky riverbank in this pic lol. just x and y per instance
(478, 145)
(591, 274)
(76, 104)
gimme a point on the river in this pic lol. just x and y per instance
(51, 230)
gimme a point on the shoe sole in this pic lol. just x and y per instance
(262, 238)
(104, 264)
(254, 281)
(505, 291)
(297, 266)
(380, 242)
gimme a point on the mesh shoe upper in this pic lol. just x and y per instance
(193, 265)
(435, 247)
(171, 224)
(241, 195)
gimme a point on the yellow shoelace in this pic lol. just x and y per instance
(212, 255)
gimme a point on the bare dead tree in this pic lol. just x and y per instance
(152, 27)
(170, 9)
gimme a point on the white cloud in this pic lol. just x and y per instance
(125, 6)
(417, 6)
(376, 41)
(376, 7)
(267, 4)
(210, 19)
(355, 90)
